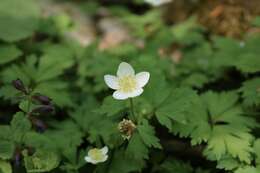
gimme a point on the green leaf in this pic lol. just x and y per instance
(225, 137)
(171, 165)
(257, 150)
(248, 62)
(20, 125)
(251, 92)
(41, 161)
(256, 21)
(187, 32)
(195, 80)
(6, 149)
(157, 82)
(18, 19)
(175, 107)
(5, 167)
(5, 132)
(9, 53)
(37, 140)
(120, 163)
(228, 164)
(43, 72)
(248, 169)
(111, 107)
(224, 141)
(218, 120)
(136, 149)
(147, 134)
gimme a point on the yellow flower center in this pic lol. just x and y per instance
(96, 154)
(127, 83)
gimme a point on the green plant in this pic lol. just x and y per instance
(206, 99)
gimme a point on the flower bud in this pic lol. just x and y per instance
(44, 109)
(42, 99)
(18, 84)
(39, 124)
(17, 158)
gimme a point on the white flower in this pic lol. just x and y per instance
(96, 155)
(126, 83)
(157, 2)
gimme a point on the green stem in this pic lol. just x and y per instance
(28, 105)
(132, 109)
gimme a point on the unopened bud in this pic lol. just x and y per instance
(42, 99)
(44, 109)
(39, 124)
(17, 159)
(18, 84)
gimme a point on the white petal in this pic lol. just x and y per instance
(88, 159)
(104, 159)
(136, 92)
(157, 2)
(111, 81)
(104, 150)
(142, 78)
(120, 95)
(125, 69)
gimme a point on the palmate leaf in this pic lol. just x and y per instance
(197, 126)
(225, 140)
(219, 121)
(42, 74)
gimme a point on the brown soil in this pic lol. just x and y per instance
(225, 17)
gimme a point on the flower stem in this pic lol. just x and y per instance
(132, 109)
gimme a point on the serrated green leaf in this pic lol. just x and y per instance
(247, 169)
(251, 91)
(228, 164)
(136, 148)
(147, 134)
(175, 107)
